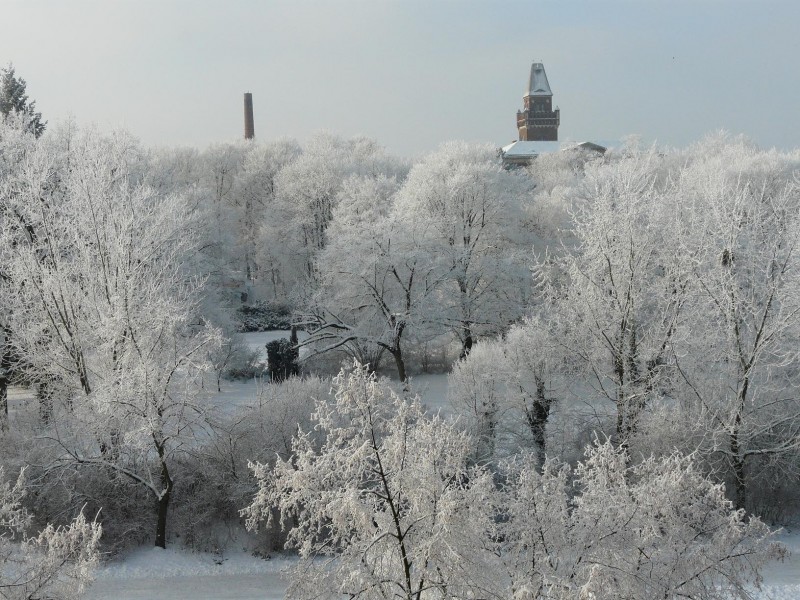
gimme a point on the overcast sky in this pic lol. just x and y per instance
(410, 74)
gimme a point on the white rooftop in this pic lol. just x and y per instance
(538, 84)
(536, 148)
(530, 148)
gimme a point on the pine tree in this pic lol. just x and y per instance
(14, 99)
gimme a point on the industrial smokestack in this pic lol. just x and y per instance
(249, 129)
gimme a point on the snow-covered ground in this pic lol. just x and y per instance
(431, 387)
(782, 579)
(257, 341)
(155, 574)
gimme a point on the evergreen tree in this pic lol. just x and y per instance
(14, 99)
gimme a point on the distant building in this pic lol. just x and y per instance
(520, 154)
(538, 122)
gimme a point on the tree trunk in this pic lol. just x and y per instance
(537, 420)
(5, 372)
(488, 436)
(161, 525)
(401, 365)
(45, 396)
(740, 487)
(3, 400)
(163, 500)
(466, 345)
(736, 450)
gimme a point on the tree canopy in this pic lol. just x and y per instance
(14, 100)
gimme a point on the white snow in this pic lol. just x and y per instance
(157, 574)
(257, 341)
(537, 83)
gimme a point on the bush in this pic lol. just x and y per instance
(264, 316)
(282, 358)
(658, 529)
(214, 482)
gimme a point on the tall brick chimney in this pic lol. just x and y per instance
(249, 129)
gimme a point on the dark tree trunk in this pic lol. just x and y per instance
(161, 525)
(45, 396)
(5, 373)
(3, 400)
(164, 498)
(466, 345)
(163, 506)
(740, 487)
(400, 364)
(537, 420)
(738, 459)
(488, 438)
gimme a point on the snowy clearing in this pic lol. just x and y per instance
(155, 574)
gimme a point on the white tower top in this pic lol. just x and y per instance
(538, 84)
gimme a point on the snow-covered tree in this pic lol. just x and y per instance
(478, 394)
(307, 192)
(466, 212)
(504, 390)
(57, 563)
(742, 346)
(259, 233)
(103, 309)
(372, 279)
(678, 303)
(659, 529)
(379, 500)
(16, 142)
(617, 295)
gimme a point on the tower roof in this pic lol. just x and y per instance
(538, 84)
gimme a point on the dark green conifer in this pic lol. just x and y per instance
(13, 99)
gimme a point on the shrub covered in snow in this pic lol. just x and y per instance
(56, 563)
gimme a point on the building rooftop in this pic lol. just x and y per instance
(522, 153)
(538, 84)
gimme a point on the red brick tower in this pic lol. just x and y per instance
(538, 122)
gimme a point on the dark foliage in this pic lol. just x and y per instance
(282, 358)
(14, 99)
(264, 316)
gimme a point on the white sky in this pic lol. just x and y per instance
(411, 74)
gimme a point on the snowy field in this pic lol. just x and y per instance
(432, 388)
(155, 574)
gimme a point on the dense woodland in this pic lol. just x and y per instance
(620, 331)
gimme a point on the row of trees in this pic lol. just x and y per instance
(382, 500)
(645, 296)
(441, 254)
(101, 306)
(373, 254)
(670, 319)
(58, 561)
